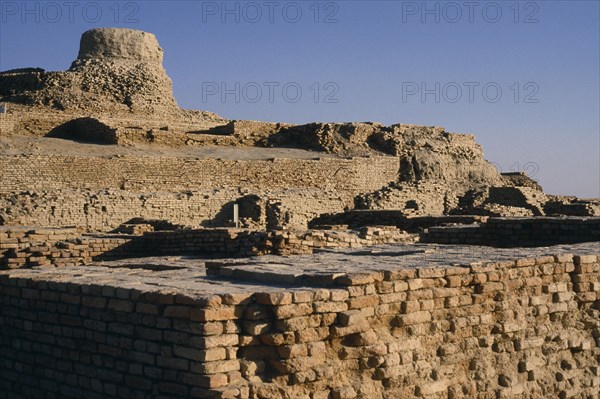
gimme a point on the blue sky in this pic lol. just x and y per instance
(522, 76)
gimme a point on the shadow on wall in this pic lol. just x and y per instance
(223, 218)
(85, 130)
(251, 212)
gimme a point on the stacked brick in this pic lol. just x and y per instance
(295, 243)
(23, 247)
(519, 232)
(518, 328)
(390, 217)
(102, 193)
(489, 330)
(7, 123)
(26, 248)
(39, 173)
(221, 242)
(423, 198)
(106, 210)
(575, 207)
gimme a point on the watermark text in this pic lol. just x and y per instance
(69, 11)
(455, 92)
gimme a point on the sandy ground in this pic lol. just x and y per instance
(18, 145)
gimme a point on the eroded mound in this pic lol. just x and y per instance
(120, 44)
(116, 70)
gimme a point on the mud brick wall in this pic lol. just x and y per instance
(106, 210)
(523, 232)
(220, 242)
(390, 217)
(424, 198)
(294, 209)
(7, 123)
(521, 197)
(103, 210)
(296, 243)
(25, 248)
(523, 328)
(62, 340)
(583, 208)
(100, 193)
(39, 173)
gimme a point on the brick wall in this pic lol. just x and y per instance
(7, 123)
(100, 193)
(517, 328)
(40, 173)
(519, 232)
(105, 210)
(391, 217)
(24, 247)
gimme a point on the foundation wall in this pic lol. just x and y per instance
(527, 328)
(26, 248)
(519, 232)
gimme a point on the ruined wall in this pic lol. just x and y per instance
(525, 328)
(296, 243)
(575, 208)
(37, 173)
(419, 199)
(519, 232)
(7, 123)
(101, 193)
(522, 197)
(105, 210)
(390, 217)
(23, 247)
(26, 247)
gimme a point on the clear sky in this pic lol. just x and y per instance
(522, 76)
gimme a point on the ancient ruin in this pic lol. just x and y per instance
(148, 251)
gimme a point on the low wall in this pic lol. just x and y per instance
(516, 328)
(423, 198)
(519, 232)
(26, 247)
(295, 243)
(577, 208)
(390, 217)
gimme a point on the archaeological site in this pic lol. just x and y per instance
(149, 251)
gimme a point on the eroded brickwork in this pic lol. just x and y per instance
(38, 173)
(519, 232)
(509, 328)
(101, 193)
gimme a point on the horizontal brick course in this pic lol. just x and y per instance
(514, 328)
